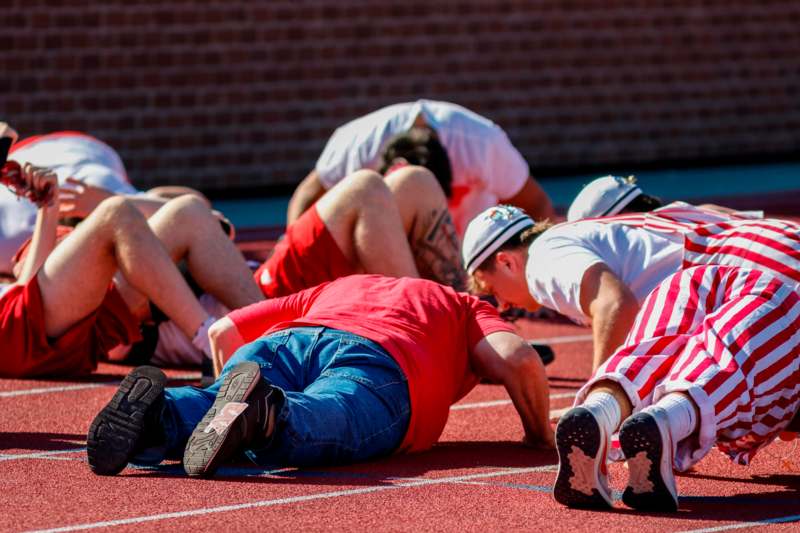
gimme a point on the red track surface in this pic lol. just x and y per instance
(479, 478)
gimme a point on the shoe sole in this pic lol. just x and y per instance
(650, 472)
(578, 431)
(200, 457)
(115, 431)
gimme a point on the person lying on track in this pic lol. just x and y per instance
(471, 157)
(357, 368)
(712, 359)
(73, 301)
(598, 271)
(88, 171)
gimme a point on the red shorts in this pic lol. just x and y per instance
(305, 257)
(28, 352)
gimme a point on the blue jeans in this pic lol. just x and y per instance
(345, 399)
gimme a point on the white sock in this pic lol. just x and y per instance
(200, 339)
(606, 410)
(681, 415)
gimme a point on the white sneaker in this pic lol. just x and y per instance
(583, 444)
(647, 445)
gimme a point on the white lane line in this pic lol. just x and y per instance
(46, 390)
(741, 525)
(83, 386)
(562, 340)
(40, 455)
(418, 482)
(495, 403)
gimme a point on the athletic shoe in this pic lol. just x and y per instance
(582, 444)
(546, 353)
(647, 445)
(242, 414)
(127, 422)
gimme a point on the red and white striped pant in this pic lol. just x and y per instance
(727, 336)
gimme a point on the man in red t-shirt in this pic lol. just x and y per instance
(395, 226)
(346, 371)
(62, 312)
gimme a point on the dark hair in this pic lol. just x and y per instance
(642, 204)
(421, 146)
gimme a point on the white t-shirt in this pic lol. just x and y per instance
(558, 259)
(67, 154)
(485, 165)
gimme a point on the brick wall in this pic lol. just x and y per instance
(238, 93)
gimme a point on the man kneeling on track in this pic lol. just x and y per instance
(713, 358)
(72, 303)
(360, 367)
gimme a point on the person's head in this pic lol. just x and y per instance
(420, 146)
(611, 195)
(495, 252)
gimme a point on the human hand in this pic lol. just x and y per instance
(78, 199)
(540, 442)
(37, 184)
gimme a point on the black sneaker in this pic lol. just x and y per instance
(546, 353)
(647, 446)
(118, 431)
(582, 444)
(242, 414)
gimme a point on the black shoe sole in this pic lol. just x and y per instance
(578, 428)
(640, 433)
(115, 431)
(202, 456)
(546, 353)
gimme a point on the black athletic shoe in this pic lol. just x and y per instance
(582, 479)
(119, 430)
(546, 353)
(240, 416)
(647, 446)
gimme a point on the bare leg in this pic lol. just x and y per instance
(189, 231)
(75, 278)
(428, 225)
(362, 216)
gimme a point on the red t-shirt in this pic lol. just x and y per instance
(429, 329)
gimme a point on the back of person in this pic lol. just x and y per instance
(486, 167)
(428, 329)
(77, 155)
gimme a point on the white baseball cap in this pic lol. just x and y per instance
(489, 231)
(603, 197)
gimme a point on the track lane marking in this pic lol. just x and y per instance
(412, 482)
(741, 525)
(83, 386)
(564, 339)
(40, 455)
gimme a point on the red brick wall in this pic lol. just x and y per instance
(226, 94)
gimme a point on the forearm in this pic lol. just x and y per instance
(42, 242)
(530, 394)
(611, 322)
(307, 192)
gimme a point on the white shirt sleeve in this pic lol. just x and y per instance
(555, 270)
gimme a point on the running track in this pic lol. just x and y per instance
(478, 478)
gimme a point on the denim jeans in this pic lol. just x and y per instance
(345, 399)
